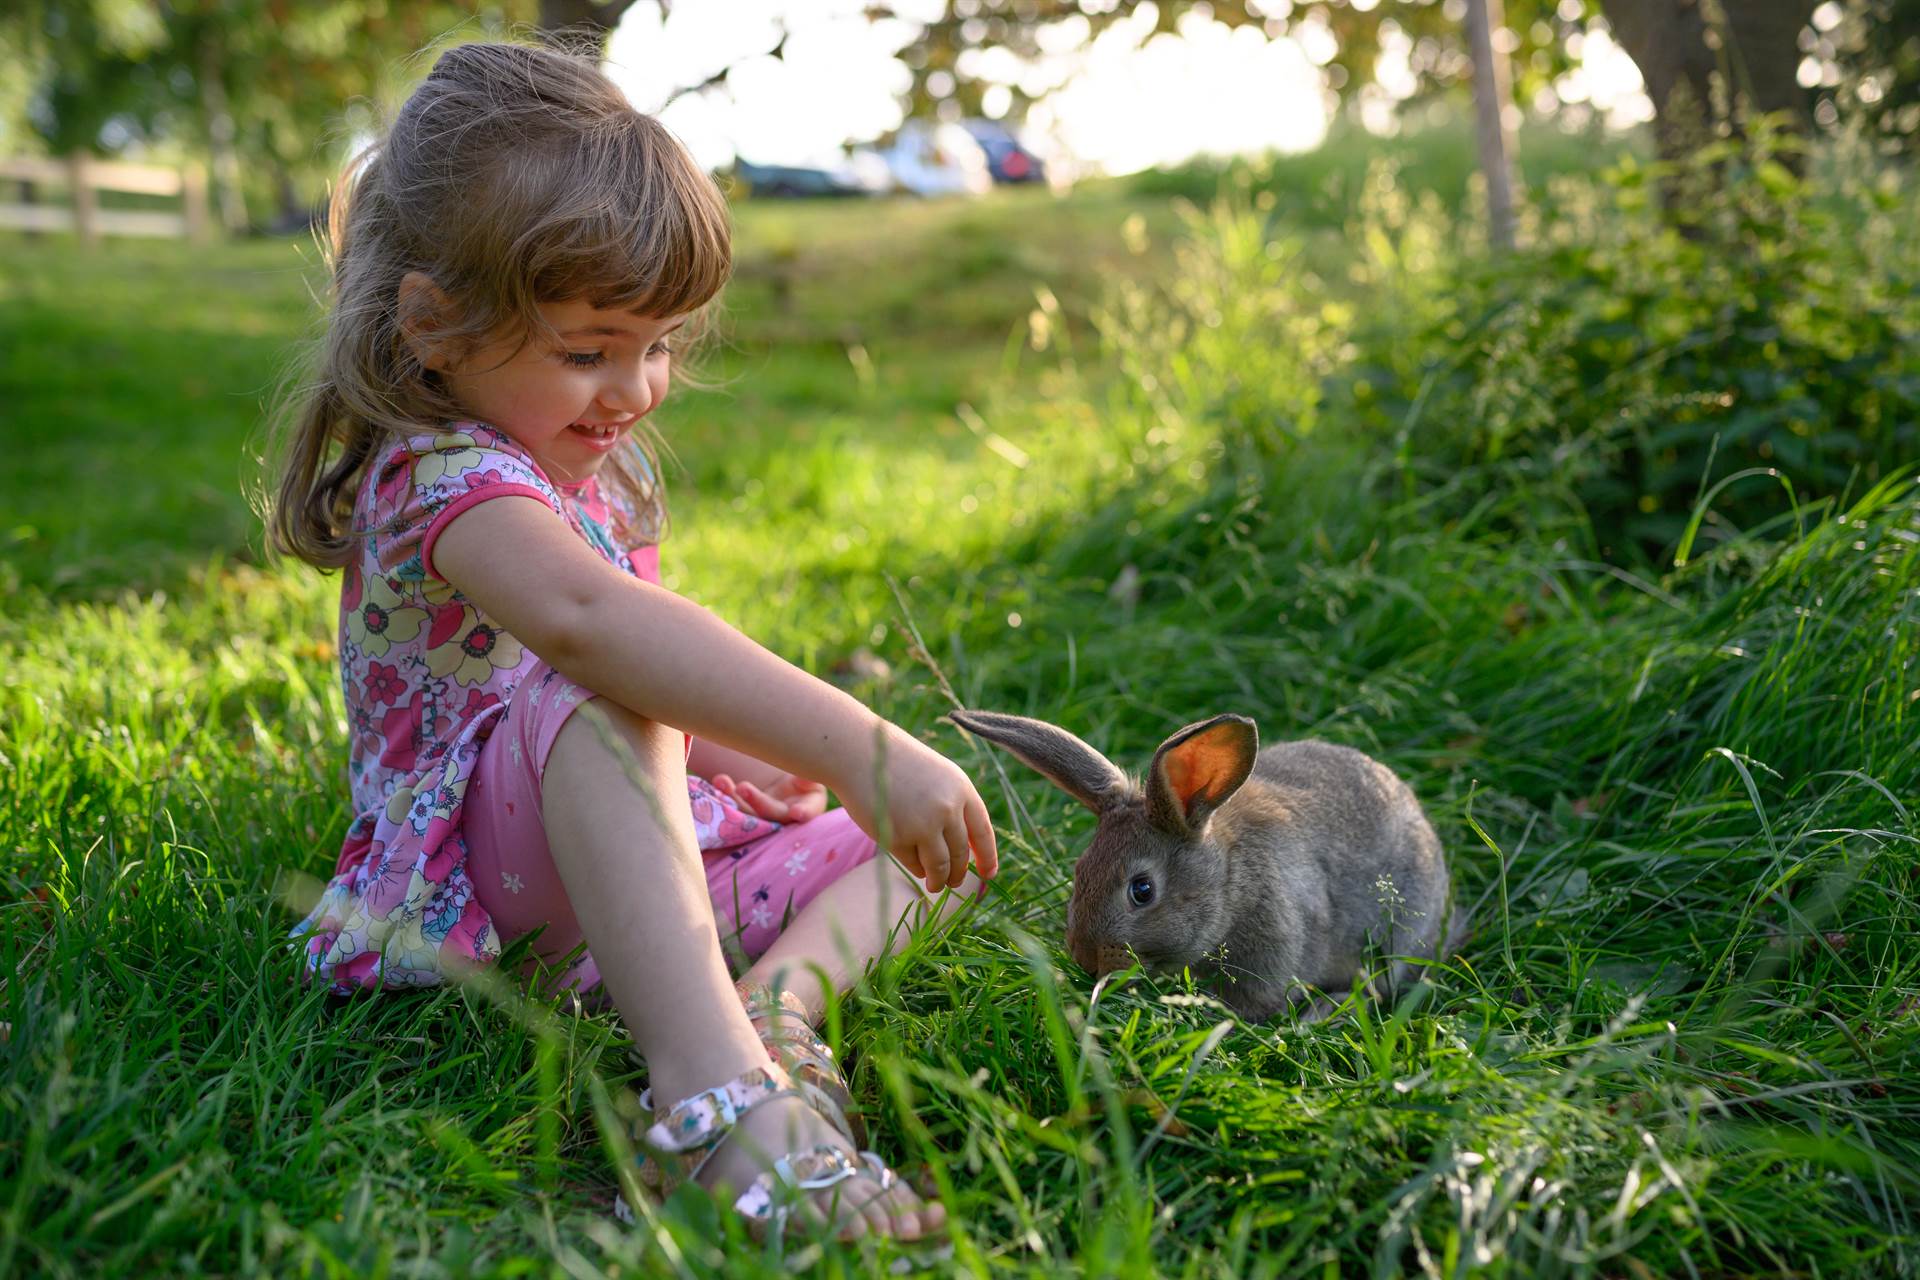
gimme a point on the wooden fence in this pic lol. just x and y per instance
(84, 178)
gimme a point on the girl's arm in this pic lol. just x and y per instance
(711, 760)
(670, 660)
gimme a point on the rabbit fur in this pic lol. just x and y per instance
(1277, 874)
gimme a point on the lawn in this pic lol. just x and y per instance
(1122, 468)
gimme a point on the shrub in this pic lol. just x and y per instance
(1639, 358)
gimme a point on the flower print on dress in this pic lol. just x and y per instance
(411, 807)
(445, 908)
(383, 619)
(413, 734)
(425, 677)
(387, 880)
(797, 861)
(478, 700)
(482, 479)
(471, 649)
(453, 454)
(383, 683)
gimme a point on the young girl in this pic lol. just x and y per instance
(513, 267)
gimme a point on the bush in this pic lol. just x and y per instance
(1641, 359)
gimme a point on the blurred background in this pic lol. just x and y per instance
(1000, 163)
(929, 97)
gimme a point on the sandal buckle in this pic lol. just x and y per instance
(726, 1114)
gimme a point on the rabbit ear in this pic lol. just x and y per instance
(1197, 769)
(1055, 754)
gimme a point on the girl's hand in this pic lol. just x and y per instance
(790, 799)
(933, 813)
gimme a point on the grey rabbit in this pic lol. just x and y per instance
(1275, 873)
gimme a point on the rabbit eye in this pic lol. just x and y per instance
(1140, 890)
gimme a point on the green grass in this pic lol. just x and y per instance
(1683, 1038)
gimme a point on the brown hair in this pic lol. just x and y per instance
(514, 175)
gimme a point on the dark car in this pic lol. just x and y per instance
(1007, 159)
(781, 180)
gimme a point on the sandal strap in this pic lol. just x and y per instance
(780, 1020)
(702, 1119)
(817, 1169)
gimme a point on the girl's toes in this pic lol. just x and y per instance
(870, 1219)
(907, 1216)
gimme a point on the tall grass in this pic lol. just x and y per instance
(1682, 1039)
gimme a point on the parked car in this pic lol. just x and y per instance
(857, 176)
(1008, 159)
(935, 159)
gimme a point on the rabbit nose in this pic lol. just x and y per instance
(1098, 958)
(1085, 953)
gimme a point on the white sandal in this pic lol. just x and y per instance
(684, 1137)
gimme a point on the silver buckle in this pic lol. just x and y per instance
(838, 1168)
(722, 1103)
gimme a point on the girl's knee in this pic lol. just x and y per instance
(600, 725)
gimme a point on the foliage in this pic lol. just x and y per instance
(1768, 322)
(1345, 38)
(277, 77)
(1873, 48)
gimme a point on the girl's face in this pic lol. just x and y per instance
(569, 405)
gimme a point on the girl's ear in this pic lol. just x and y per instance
(423, 309)
(1197, 770)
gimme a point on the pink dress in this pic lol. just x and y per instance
(427, 677)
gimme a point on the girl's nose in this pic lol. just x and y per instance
(629, 393)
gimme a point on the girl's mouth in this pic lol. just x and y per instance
(597, 435)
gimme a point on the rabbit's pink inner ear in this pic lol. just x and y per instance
(1207, 768)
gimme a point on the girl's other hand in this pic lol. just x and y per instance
(934, 815)
(790, 799)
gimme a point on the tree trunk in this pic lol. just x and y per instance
(221, 139)
(581, 25)
(1706, 62)
(1492, 91)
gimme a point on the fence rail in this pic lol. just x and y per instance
(84, 177)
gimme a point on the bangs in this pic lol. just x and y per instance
(631, 224)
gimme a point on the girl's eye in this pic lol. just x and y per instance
(660, 349)
(584, 359)
(1140, 890)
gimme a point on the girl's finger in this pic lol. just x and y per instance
(986, 849)
(763, 804)
(956, 836)
(909, 857)
(933, 860)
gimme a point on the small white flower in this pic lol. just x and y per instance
(761, 918)
(798, 862)
(514, 748)
(512, 882)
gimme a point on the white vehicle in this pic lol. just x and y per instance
(934, 159)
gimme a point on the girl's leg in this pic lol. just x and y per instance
(858, 918)
(640, 895)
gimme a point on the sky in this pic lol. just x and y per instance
(1127, 101)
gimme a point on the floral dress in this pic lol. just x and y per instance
(426, 676)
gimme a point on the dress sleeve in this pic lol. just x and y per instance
(434, 478)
